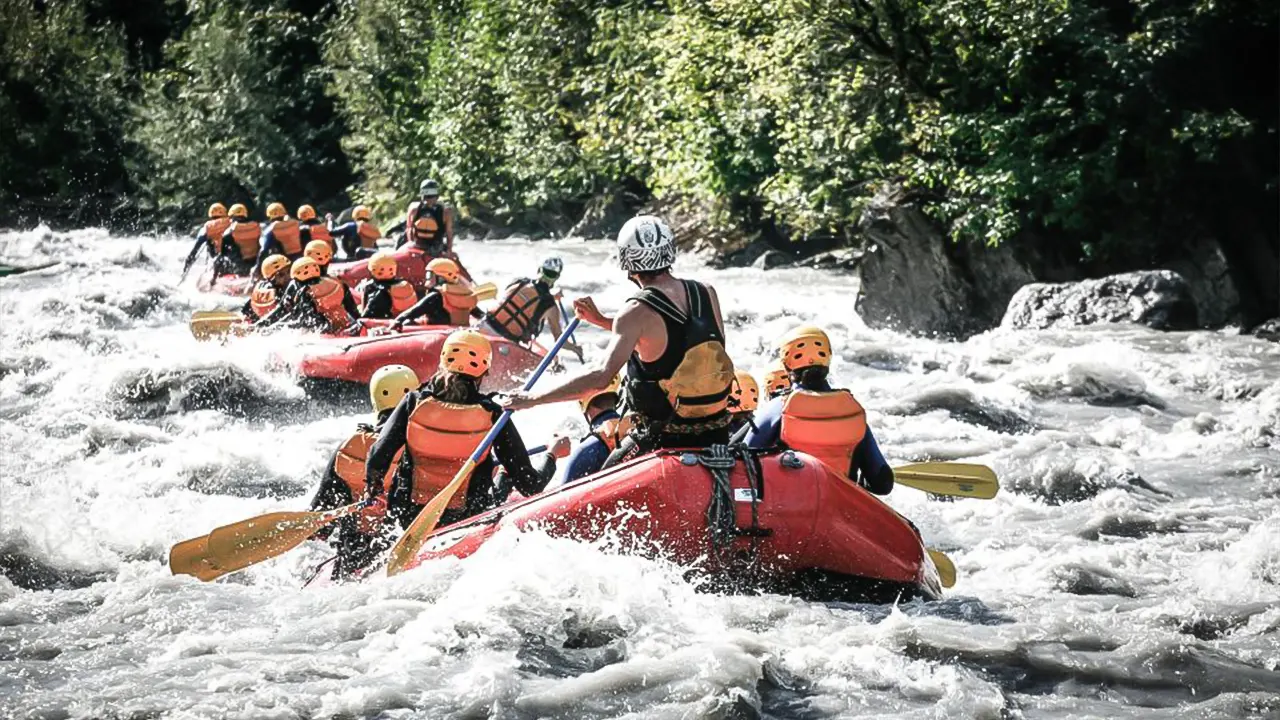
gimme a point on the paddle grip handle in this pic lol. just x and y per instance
(483, 447)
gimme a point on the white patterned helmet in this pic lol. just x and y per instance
(645, 244)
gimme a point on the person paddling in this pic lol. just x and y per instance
(360, 236)
(670, 336)
(313, 301)
(450, 298)
(385, 294)
(817, 419)
(526, 306)
(600, 409)
(268, 291)
(359, 538)
(435, 429)
(240, 241)
(209, 238)
(743, 400)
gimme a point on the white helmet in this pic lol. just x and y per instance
(646, 244)
(552, 267)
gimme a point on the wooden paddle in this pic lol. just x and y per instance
(207, 324)
(484, 291)
(946, 568)
(407, 547)
(945, 478)
(237, 546)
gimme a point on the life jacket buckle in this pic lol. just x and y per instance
(789, 460)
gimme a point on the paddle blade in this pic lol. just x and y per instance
(248, 542)
(406, 548)
(191, 557)
(212, 323)
(485, 291)
(946, 568)
(958, 479)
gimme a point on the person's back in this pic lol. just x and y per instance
(815, 418)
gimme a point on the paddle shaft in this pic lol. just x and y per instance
(407, 547)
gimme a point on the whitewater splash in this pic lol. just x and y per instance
(1129, 568)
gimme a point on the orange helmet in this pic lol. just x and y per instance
(746, 393)
(305, 268)
(274, 264)
(275, 211)
(306, 212)
(382, 265)
(466, 352)
(319, 251)
(361, 212)
(777, 381)
(805, 346)
(445, 268)
(238, 211)
(217, 210)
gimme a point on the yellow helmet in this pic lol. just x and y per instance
(746, 393)
(466, 352)
(319, 251)
(777, 381)
(274, 264)
(445, 268)
(613, 387)
(306, 212)
(304, 268)
(217, 210)
(389, 384)
(805, 346)
(238, 210)
(361, 212)
(382, 265)
(275, 211)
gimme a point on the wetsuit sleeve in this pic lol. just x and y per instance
(391, 438)
(304, 234)
(768, 425)
(201, 241)
(348, 234)
(349, 302)
(291, 307)
(377, 302)
(269, 246)
(428, 305)
(511, 452)
(873, 472)
(333, 492)
(586, 459)
(247, 311)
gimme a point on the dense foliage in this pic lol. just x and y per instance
(1117, 128)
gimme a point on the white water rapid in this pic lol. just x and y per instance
(1129, 568)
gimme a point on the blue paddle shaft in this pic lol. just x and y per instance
(483, 447)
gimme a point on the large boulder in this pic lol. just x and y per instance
(1213, 288)
(1160, 299)
(916, 280)
(604, 215)
(1269, 330)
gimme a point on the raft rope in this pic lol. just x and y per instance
(722, 526)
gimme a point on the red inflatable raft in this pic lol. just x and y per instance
(234, 285)
(803, 530)
(354, 359)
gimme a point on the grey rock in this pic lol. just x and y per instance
(1269, 330)
(1159, 299)
(842, 259)
(771, 259)
(603, 216)
(1209, 278)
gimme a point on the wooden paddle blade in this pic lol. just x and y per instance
(946, 568)
(406, 548)
(212, 323)
(486, 291)
(248, 542)
(191, 557)
(958, 479)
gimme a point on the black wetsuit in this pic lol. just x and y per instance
(297, 308)
(356, 550)
(508, 447)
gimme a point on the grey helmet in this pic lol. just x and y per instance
(551, 268)
(429, 188)
(645, 244)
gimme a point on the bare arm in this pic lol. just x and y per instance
(448, 228)
(629, 326)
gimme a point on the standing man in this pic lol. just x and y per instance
(671, 338)
(428, 224)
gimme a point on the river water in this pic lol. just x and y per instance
(1129, 568)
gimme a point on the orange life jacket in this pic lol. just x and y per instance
(264, 297)
(425, 228)
(403, 297)
(826, 425)
(350, 463)
(459, 300)
(289, 235)
(246, 235)
(327, 294)
(517, 313)
(320, 231)
(213, 230)
(369, 234)
(440, 438)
